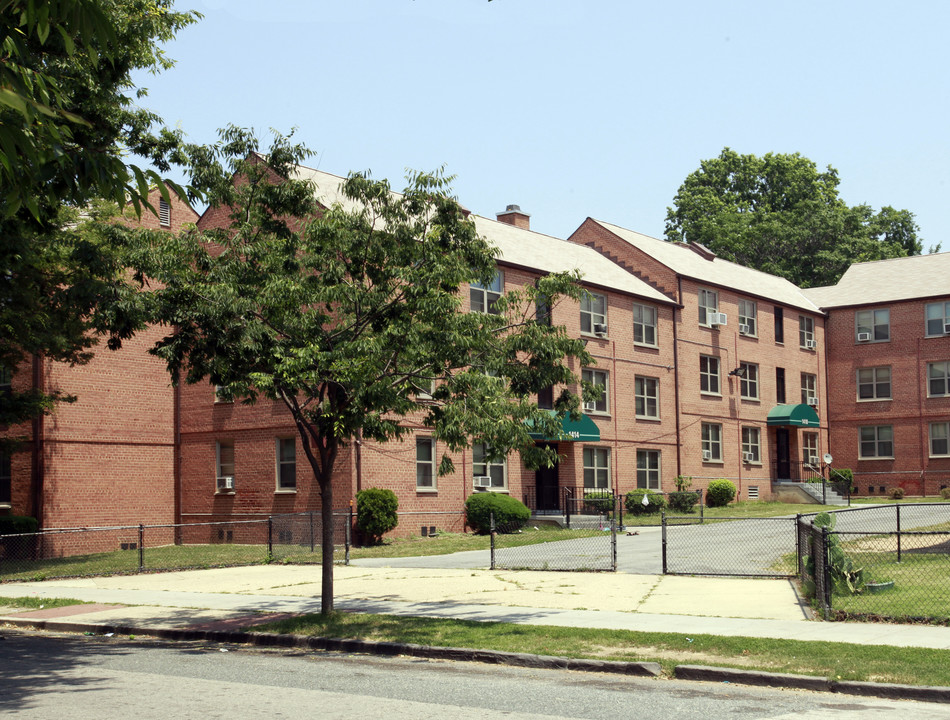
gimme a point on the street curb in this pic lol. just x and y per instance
(923, 693)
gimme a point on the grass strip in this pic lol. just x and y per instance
(837, 661)
(38, 603)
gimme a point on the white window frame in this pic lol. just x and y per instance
(876, 322)
(711, 434)
(752, 444)
(645, 325)
(877, 438)
(593, 311)
(598, 378)
(222, 467)
(649, 470)
(810, 447)
(806, 331)
(936, 318)
(425, 468)
(496, 469)
(939, 433)
(749, 381)
(748, 316)
(809, 386)
(483, 298)
(710, 381)
(646, 391)
(282, 462)
(597, 468)
(876, 381)
(708, 303)
(938, 373)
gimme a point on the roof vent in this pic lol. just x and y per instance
(514, 216)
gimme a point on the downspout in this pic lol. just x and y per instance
(176, 470)
(920, 425)
(676, 376)
(39, 450)
(616, 415)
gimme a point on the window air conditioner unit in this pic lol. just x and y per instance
(600, 330)
(813, 460)
(748, 457)
(590, 407)
(482, 481)
(226, 483)
(946, 329)
(864, 337)
(743, 329)
(718, 318)
(812, 400)
(810, 344)
(707, 455)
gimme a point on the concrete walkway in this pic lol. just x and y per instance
(230, 598)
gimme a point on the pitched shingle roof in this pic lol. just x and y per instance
(705, 267)
(907, 278)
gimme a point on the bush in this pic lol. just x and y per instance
(634, 502)
(683, 502)
(945, 493)
(896, 493)
(376, 513)
(18, 524)
(510, 514)
(842, 475)
(599, 501)
(18, 548)
(720, 493)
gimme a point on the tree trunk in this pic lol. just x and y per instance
(326, 515)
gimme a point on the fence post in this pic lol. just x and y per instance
(619, 506)
(798, 546)
(826, 599)
(347, 540)
(663, 536)
(567, 507)
(492, 533)
(613, 539)
(141, 548)
(898, 506)
(270, 536)
(312, 547)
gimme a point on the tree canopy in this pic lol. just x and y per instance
(343, 314)
(778, 213)
(69, 123)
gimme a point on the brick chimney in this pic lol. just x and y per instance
(514, 216)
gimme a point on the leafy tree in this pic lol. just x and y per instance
(68, 122)
(341, 315)
(779, 214)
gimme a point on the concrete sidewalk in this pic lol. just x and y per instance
(231, 598)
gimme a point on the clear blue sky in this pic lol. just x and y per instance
(576, 108)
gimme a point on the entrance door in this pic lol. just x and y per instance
(782, 465)
(546, 487)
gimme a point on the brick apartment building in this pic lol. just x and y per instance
(710, 370)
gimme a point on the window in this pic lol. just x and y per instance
(806, 332)
(423, 388)
(810, 449)
(644, 325)
(484, 465)
(6, 479)
(484, 297)
(221, 395)
(876, 441)
(939, 439)
(751, 445)
(779, 325)
(597, 378)
(164, 213)
(542, 311)
(874, 383)
(872, 325)
(708, 303)
(709, 374)
(425, 464)
(938, 318)
(596, 469)
(748, 325)
(646, 392)
(749, 381)
(780, 386)
(809, 389)
(225, 465)
(546, 398)
(286, 463)
(712, 442)
(593, 312)
(938, 379)
(648, 469)
(6, 378)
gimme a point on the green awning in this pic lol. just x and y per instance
(796, 415)
(583, 430)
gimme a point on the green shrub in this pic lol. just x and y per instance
(683, 482)
(634, 502)
(720, 493)
(376, 513)
(599, 501)
(945, 493)
(896, 493)
(510, 514)
(18, 525)
(842, 475)
(683, 502)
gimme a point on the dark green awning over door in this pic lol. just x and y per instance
(582, 430)
(794, 415)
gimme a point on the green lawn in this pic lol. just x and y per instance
(913, 666)
(919, 591)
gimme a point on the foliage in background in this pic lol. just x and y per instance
(635, 505)
(510, 513)
(779, 214)
(683, 502)
(376, 512)
(720, 493)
